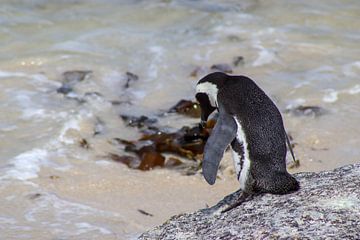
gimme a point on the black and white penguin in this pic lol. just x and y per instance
(252, 125)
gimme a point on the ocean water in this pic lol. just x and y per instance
(302, 53)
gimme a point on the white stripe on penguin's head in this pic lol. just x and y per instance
(209, 89)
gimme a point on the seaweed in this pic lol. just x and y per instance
(148, 150)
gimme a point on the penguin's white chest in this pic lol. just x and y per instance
(241, 161)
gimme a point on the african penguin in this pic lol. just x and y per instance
(253, 127)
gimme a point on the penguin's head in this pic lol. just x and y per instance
(206, 93)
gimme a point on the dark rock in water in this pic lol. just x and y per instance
(75, 76)
(93, 94)
(308, 111)
(65, 88)
(238, 60)
(70, 78)
(187, 107)
(99, 127)
(234, 38)
(118, 102)
(34, 196)
(326, 207)
(139, 122)
(222, 67)
(130, 77)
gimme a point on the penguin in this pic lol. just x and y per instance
(252, 125)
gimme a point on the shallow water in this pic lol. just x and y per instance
(300, 53)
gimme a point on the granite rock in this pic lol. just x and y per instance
(326, 207)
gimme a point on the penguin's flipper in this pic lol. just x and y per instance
(223, 133)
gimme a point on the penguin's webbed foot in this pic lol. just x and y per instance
(244, 197)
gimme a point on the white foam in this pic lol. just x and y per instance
(4, 74)
(7, 127)
(265, 57)
(85, 227)
(330, 96)
(157, 60)
(71, 124)
(27, 165)
(354, 90)
(295, 103)
(67, 216)
(349, 69)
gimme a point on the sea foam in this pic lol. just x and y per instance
(26, 165)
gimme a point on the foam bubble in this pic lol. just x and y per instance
(4, 74)
(330, 96)
(354, 90)
(295, 103)
(27, 165)
(71, 124)
(84, 227)
(265, 57)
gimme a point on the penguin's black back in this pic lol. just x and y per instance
(263, 126)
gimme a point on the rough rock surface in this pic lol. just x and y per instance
(326, 207)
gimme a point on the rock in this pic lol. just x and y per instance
(308, 111)
(138, 122)
(326, 207)
(75, 76)
(222, 67)
(239, 60)
(70, 78)
(130, 77)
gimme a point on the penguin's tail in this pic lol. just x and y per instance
(280, 183)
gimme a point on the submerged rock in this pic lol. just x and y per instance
(239, 60)
(70, 78)
(308, 111)
(130, 77)
(138, 122)
(222, 67)
(326, 207)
